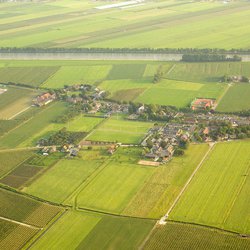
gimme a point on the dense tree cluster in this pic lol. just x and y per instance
(62, 137)
(159, 74)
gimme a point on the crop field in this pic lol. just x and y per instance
(236, 98)
(23, 209)
(32, 126)
(13, 236)
(59, 182)
(150, 24)
(161, 189)
(179, 93)
(95, 232)
(25, 172)
(9, 160)
(208, 72)
(29, 76)
(117, 129)
(218, 195)
(185, 236)
(70, 75)
(15, 100)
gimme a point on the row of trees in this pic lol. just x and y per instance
(122, 50)
(209, 58)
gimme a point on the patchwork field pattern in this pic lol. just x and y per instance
(210, 199)
(180, 236)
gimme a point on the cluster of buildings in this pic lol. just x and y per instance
(203, 104)
(163, 140)
(44, 99)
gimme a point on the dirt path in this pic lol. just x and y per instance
(19, 113)
(163, 221)
(223, 94)
(21, 223)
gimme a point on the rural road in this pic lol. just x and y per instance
(20, 223)
(98, 56)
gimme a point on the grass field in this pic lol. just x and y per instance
(169, 24)
(161, 189)
(10, 159)
(14, 100)
(32, 126)
(235, 99)
(208, 72)
(217, 196)
(13, 236)
(23, 209)
(183, 236)
(30, 76)
(94, 232)
(117, 129)
(59, 182)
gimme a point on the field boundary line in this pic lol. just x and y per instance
(21, 223)
(18, 113)
(171, 69)
(163, 221)
(223, 94)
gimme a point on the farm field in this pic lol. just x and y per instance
(60, 24)
(95, 232)
(9, 160)
(161, 189)
(235, 99)
(32, 126)
(217, 203)
(20, 234)
(23, 209)
(117, 129)
(59, 182)
(186, 236)
(15, 100)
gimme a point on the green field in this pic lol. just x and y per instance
(169, 24)
(59, 182)
(236, 98)
(177, 236)
(117, 129)
(94, 232)
(23, 209)
(10, 159)
(208, 72)
(15, 100)
(161, 189)
(13, 236)
(33, 126)
(29, 76)
(218, 195)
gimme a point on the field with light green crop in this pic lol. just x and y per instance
(117, 129)
(157, 24)
(185, 236)
(82, 230)
(218, 194)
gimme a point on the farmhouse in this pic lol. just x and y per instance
(202, 104)
(44, 99)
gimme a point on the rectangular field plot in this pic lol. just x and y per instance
(59, 182)
(32, 126)
(70, 75)
(23, 209)
(94, 231)
(30, 76)
(217, 196)
(161, 189)
(10, 160)
(180, 236)
(116, 129)
(13, 236)
(208, 72)
(237, 98)
(178, 93)
(14, 101)
(116, 184)
(126, 71)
